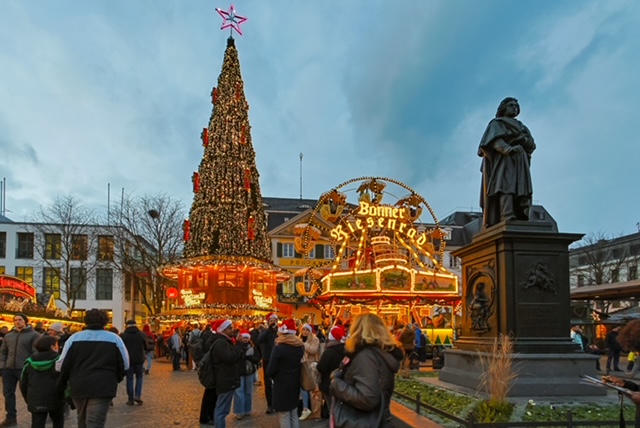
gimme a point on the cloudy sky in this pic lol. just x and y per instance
(117, 91)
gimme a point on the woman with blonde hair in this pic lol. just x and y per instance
(362, 386)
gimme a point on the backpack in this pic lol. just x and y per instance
(196, 348)
(206, 372)
(150, 342)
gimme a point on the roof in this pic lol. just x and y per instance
(288, 204)
(614, 291)
(4, 219)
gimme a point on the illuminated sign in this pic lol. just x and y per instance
(17, 287)
(172, 292)
(381, 216)
(301, 262)
(262, 300)
(191, 299)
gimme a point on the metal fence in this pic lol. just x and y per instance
(471, 423)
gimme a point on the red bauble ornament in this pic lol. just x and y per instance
(243, 136)
(172, 293)
(196, 182)
(214, 96)
(186, 227)
(247, 179)
(251, 232)
(238, 91)
(205, 137)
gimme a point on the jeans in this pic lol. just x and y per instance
(136, 370)
(289, 419)
(306, 399)
(176, 360)
(10, 379)
(39, 419)
(92, 412)
(615, 356)
(149, 360)
(223, 407)
(242, 396)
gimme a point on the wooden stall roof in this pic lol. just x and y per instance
(614, 291)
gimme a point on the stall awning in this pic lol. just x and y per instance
(614, 291)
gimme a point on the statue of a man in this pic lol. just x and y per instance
(506, 149)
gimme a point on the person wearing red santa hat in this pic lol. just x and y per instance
(284, 368)
(266, 342)
(242, 398)
(226, 358)
(330, 360)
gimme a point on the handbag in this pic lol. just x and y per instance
(344, 415)
(307, 382)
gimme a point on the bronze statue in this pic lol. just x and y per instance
(506, 149)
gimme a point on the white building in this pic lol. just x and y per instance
(65, 262)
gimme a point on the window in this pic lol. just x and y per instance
(51, 281)
(615, 274)
(632, 273)
(312, 253)
(25, 273)
(288, 251)
(328, 252)
(581, 280)
(79, 244)
(105, 248)
(104, 284)
(78, 283)
(52, 246)
(24, 249)
(3, 245)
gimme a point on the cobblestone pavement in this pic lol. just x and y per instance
(171, 399)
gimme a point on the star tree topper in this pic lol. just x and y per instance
(230, 19)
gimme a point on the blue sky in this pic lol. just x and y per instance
(117, 91)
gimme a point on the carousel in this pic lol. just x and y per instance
(388, 260)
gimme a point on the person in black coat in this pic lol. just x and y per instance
(284, 369)
(39, 384)
(266, 342)
(614, 348)
(331, 358)
(136, 343)
(226, 357)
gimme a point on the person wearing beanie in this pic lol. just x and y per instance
(242, 399)
(92, 363)
(330, 360)
(39, 384)
(16, 347)
(311, 356)
(266, 342)
(284, 369)
(136, 343)
(226, 359)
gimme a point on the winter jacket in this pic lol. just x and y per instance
(136, 343)
(331, 358)
(226, 359)
(39, 383)
(311, 348)
(207, 339)
(17, 346)
(250, 354)
(266, 341)
(362, 379)
(175, 343)
(284, 369)
(93, 362)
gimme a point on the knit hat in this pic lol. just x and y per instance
(131, 322)
(308, 327)
(288, 327)
(23, 316)
(271, 315)
(245, 334)
(57, 326)
(337, 333)
(224, 325)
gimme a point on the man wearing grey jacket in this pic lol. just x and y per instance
(17, 346)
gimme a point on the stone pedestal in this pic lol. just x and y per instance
(516, 282)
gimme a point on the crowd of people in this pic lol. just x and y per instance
(345, 372)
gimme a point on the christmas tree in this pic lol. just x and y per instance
(227, 216)
(227, 256)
